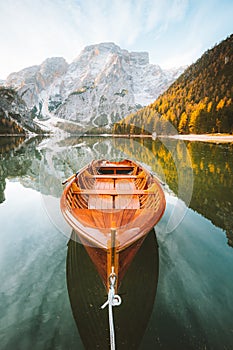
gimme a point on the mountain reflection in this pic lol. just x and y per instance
(17, 159)
(42, 166)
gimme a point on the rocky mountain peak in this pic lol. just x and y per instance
(102, 85)
(52, 68)
(102, 49)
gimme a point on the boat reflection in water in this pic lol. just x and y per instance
(87, 293)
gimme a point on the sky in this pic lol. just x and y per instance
(173, 32)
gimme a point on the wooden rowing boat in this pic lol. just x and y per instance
(112, 206)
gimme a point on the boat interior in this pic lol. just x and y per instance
(108, 185)
(106, 195)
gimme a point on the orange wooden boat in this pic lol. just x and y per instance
(112, 206)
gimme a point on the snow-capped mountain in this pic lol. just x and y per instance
(102, 85)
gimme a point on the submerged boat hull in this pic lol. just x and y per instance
(86, 291)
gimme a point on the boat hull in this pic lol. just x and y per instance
(100, 258)
(112, 206)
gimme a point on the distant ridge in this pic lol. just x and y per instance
(199, 101)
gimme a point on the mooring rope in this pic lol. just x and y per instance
(113, 300)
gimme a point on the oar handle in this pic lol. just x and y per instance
(69, 178)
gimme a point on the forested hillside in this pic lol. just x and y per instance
(199, 101)
(15, 118)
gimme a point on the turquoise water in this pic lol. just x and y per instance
(192, 308)
(35, 311)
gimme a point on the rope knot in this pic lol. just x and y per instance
(112, 279)
(116, 301)
(113, 300)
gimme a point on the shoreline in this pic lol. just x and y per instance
(214, 138)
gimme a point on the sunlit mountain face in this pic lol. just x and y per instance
(102, 85)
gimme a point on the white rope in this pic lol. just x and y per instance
(113, 300)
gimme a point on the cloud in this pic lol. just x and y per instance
(31, 31)
(37, 29)
(161, 13)
(34, 30)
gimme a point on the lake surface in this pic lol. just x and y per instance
(192, 306)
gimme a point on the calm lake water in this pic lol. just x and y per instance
(42, 277)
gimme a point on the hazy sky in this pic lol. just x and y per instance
(174, 32)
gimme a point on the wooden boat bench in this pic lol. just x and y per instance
(112, 176)
(115, 169)
(113, 192)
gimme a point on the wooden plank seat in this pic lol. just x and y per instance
(115, 166)
(102, 201)
(112, 192)
(131, 201)
(112, 176)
